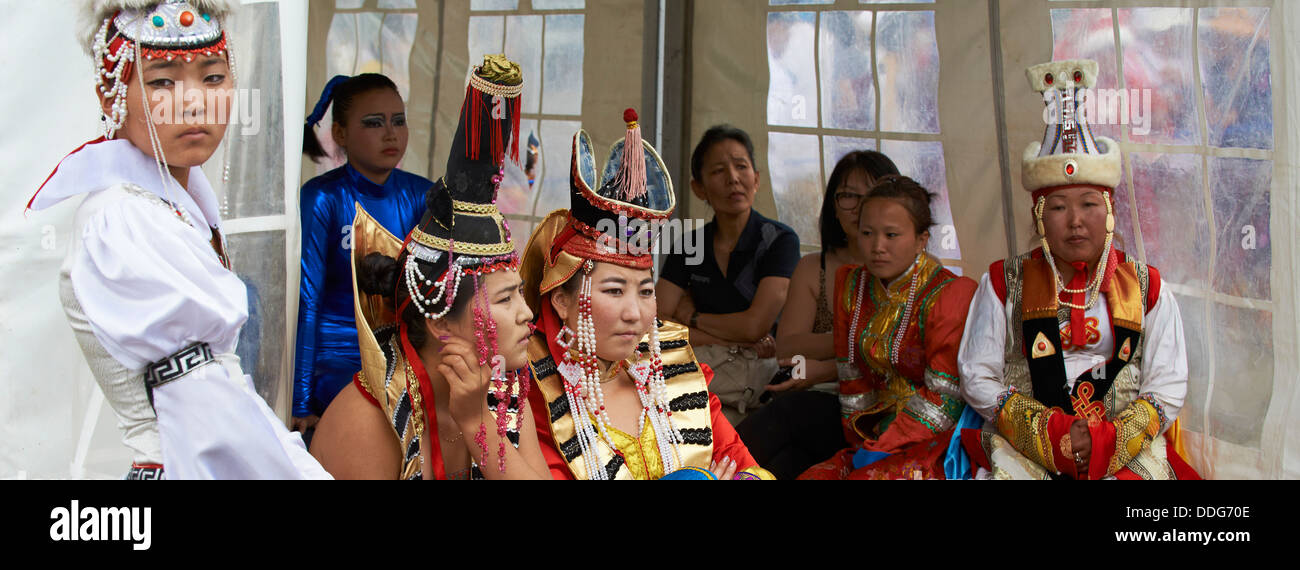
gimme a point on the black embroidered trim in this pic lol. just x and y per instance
(671, 370)
(559, 407)
(413, 449)
(611, 468)
(513, 436)
(402, 414)
(512, 407)
(663, 345)
(692, 401)
(385, 336)
(146, 474)
(571, 449)
(544, 367)
(697, 436)
(177, 365)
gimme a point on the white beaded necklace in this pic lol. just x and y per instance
(863, 283)
(583, 385)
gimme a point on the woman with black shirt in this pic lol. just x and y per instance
(732, 297)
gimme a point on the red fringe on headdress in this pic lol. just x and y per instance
(472, 115)
(514, 130)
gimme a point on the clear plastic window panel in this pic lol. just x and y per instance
(848, 93)
(907, 65)
(792, 80)
(1195, 327)
(1089, 33)
(1243, 260)
(1243, 374)
(556, 152)
(397, 5)
(254, 138)
(476, 5)
(515, 196)
(795, 164)
(1233, 46)
(559, 4)
(523, 44)
(365, 42)
(924, 163)
(370, 50)
(1172, 216)
(349, 4)
(258, 260)
(562, 65)
(1157, 48)
(485, 37)
(834, 148)
(397, 38)
(1125, 237)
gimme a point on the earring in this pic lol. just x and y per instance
(565, 337)
(1110, 217)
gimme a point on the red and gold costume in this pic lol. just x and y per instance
(682, 429)
(1039, 355)
(898, 403)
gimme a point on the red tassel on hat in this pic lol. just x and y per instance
(471, 116)
(514, 130)
(631, 174)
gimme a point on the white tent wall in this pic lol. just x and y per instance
(53, 420)
(947, 100)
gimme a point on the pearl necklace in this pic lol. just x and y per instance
(862, 285)
(907, 311)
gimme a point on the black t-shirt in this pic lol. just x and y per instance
(766, 248)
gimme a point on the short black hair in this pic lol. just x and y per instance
(875, 164)
(713, 136)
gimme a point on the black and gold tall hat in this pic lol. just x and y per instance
(462, 215)
(633, 186)
(611, 216)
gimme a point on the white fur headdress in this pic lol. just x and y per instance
(1069, 154)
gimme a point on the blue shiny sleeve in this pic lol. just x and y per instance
(317, 209)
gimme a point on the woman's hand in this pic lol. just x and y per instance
(765, 347)
(1081, 441)
(468, 381)
(725, 469)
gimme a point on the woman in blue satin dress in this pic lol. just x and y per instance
(370, 128)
